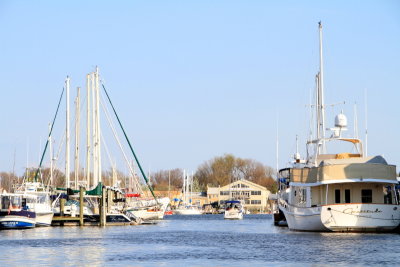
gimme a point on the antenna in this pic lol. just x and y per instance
(355, 121)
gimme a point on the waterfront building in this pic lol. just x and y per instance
(254, 196)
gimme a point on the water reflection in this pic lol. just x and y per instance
(195, 241)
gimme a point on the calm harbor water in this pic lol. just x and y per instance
(206, 240)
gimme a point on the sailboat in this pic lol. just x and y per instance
(346, 191)
(92, 179)
(186, 207)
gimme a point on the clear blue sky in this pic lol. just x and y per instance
(197, 79)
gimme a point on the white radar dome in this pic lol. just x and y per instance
(341, 121)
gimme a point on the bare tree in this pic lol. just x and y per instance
(226, 169)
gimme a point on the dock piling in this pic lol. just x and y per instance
(81, 191)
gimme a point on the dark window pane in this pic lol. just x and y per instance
(347, 196)
(337, 195)
(366, 196)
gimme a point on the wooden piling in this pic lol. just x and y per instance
(103, 206)
(81, 203)
(62, 205)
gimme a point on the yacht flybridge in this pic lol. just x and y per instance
(338, 191)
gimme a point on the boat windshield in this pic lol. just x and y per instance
(11, 202)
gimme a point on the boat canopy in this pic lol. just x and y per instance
(232, 201)
(350, 160)
(371, 169)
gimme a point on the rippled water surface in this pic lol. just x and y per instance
(206, 240)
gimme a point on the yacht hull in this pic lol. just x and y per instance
(233, 215)
(303, 219)
(361, 217)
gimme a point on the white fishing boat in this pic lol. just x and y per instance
(234, 210)
(39, 201)
(338, 191)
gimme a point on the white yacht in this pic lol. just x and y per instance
(338, 191)
(234, 210)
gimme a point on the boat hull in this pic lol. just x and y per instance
(303, 219)
(187, 212)
(233, 215)
(361, 217)
(44, 218)
(17, 220)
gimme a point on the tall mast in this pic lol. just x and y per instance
(94, 153)
(88, 131)
(51, 156)
(77, 139)
(320, 97)
(98, 126)
(67, 137)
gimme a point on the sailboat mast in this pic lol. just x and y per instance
(88, 131)
(320, 97)
(67, 136)
(77, 139)
(51, 156)
(94, 139)
(98, 134)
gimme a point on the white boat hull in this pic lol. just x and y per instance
(233, 215)
(303, 219)
(187, 212)
(44, 218)
(361, 217)
(146, 215)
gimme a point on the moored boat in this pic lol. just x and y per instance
(14, 212)
(338, 191)
(234, 210)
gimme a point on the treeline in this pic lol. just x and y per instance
(218, 171)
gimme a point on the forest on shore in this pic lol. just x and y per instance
(218, 171)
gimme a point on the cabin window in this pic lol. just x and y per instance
(387, 195)
(224, 193)
(256, 193)
(303, 195)
(337, 195)
(256, 202)
(347, 196)
(366, 196)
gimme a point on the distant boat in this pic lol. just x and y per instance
(186, 207)
(14, 212)
(188, 210)
(234, 210)
(149, 209)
